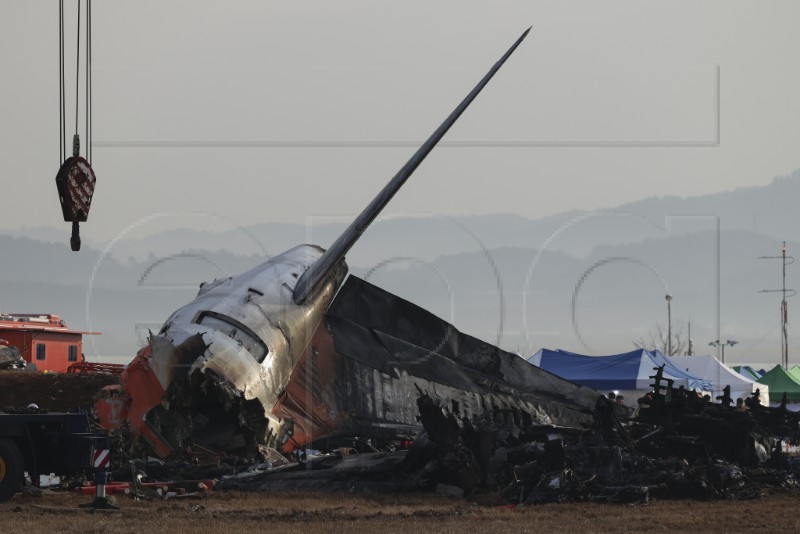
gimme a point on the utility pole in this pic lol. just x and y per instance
(689, 352)
(669, 324)
(784, 306)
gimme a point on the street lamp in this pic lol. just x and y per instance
(669, 323)
(729, 343)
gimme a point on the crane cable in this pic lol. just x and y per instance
(89, 80)
(61, 81)
(77, 66)
(62, 125)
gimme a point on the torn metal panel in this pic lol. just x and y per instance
(373, 472)
(400, 339)
(364, 371)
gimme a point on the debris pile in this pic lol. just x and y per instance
(678, 446)
(10, 358)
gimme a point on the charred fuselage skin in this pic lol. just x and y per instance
(376, 353)
(357, 374)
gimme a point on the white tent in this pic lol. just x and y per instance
(720, 375)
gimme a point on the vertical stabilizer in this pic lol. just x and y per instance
(322, 267)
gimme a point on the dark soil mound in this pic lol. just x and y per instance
(53, 392)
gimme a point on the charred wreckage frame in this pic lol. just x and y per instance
(294, 354)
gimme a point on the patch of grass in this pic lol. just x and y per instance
(385, 514)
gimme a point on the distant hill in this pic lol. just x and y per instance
(769, 210)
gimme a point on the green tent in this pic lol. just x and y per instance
(795, 372)
(779, 381)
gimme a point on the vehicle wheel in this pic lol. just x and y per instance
(11, 469)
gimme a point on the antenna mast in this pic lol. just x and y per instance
(689, 352)
(784, 305)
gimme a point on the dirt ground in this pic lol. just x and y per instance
(51, 391)
(386, 514)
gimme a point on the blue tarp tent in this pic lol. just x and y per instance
(747, 371)
(621, 372)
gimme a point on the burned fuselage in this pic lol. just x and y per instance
(265, 370)
(288, 356)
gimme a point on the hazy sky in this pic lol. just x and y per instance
(634, 84)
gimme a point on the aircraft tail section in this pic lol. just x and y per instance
(323, 266)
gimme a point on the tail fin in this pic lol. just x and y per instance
(323, 266)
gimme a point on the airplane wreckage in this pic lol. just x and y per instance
(295, 354)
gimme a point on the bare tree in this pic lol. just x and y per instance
(658, 340)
